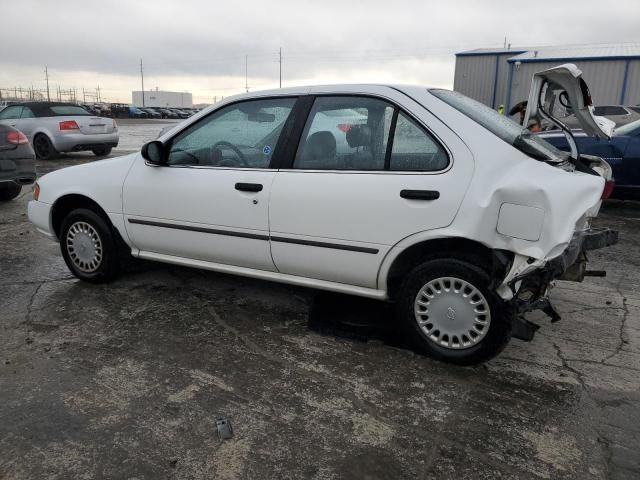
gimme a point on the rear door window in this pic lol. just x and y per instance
(345, 133)
(10, 113)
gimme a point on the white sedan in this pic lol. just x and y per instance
(418, 196)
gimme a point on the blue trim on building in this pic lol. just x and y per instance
(624, 82)
(488, 54)
(574, 59)
(495, 83)
(510, 82)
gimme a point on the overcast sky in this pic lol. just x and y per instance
(200, 45)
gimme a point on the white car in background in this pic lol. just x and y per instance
(53, 128)
(432, 201)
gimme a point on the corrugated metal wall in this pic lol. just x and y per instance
(604, 78)
(632, 96)
(475, 76)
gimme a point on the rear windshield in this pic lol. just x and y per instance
(57, 110)
(502, 126)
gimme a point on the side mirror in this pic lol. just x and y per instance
(154, 152)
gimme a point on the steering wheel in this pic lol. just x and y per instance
(235, 149)
(186, 152)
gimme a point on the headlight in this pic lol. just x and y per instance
(36, 191)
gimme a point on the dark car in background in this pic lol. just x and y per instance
(151, 113)
(17, 162)
(166, 113)
(621, 151)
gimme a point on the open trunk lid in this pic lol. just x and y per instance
(559, 92)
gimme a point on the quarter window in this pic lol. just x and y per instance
(243, 135)
(414, 149)
(345, 133)
(27, 113)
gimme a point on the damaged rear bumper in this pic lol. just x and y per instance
(531, 290)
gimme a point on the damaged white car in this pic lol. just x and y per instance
(419, 196)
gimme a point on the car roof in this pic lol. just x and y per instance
(40, 108)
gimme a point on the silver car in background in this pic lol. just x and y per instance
(53, 128)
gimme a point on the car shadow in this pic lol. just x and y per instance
(355, 318)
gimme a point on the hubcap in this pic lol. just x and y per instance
(84, 247)
(452, 313)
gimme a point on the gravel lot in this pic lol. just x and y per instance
(126, 380)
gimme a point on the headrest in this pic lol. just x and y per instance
(359, 136)
(320, 145)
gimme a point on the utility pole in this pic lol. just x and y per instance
(246, 73)
(142, 78)
(46, 73)
(280, 67)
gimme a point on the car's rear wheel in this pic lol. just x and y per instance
(450, 314)
(44, 148)
(89, 246)
(101, 151)
(9, 191)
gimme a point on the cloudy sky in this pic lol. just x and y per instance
(200, 45)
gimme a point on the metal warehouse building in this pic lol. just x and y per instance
(160, 99)
(497, 76)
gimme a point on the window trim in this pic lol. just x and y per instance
(278, 151)
(287, 165)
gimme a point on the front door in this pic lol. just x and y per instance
(210, 201)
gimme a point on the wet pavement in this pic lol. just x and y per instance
(126, 380)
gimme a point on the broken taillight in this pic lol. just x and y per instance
(608, 189)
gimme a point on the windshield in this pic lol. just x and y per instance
(502, 126)
(632, 128)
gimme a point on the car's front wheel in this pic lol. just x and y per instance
(450, 314)
(89, 246)
(101, 151)
(9, 191)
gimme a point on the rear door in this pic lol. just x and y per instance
(365, 175)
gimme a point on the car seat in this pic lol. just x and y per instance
(319, 152)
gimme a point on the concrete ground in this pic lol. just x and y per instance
(126, 380)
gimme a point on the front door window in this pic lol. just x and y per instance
(242, 135)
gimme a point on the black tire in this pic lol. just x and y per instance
(44, 148)
(9, 191)
(102, 271)
(101, 151)
(468, 350)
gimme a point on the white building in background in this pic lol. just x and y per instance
(160, 98)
